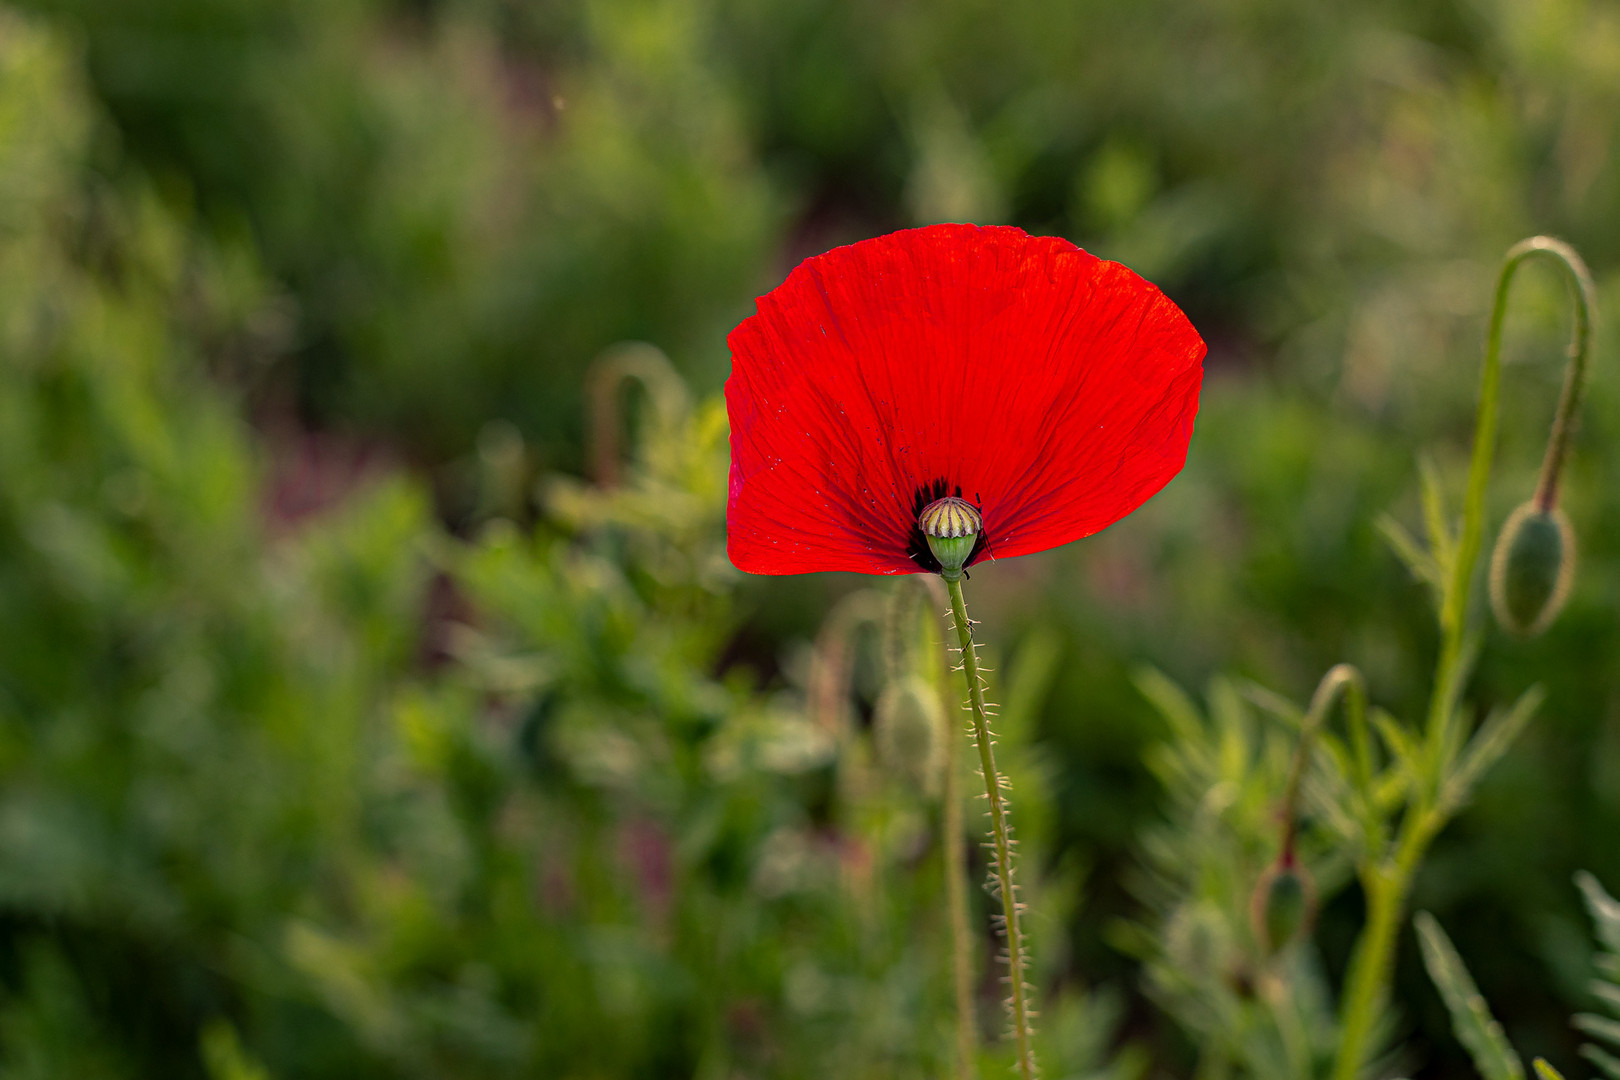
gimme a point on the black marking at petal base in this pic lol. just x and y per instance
(917, 543)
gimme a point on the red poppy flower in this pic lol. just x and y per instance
(1051, 389)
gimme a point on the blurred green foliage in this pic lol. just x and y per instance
(341, 734)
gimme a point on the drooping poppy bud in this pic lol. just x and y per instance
(1532, 569)
(908, 727)
(1283, 905)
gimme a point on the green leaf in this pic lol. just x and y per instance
(1270, 701)
(1609, 992)
(1390, 789)
(1178, 710)
(1451, 699)
(1599, 1027)
(1398, 741)
(1607, 1063)
(1423, 565)
(1234, 730)
(1546, 1071)
(224, 1056)
(1442, 540)
(1336, 754)
(1470, 1018)
(1494, 738)
(1329, 799)
(1605, 910)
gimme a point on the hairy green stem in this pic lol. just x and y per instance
(999, 830)
(1341, 680)
(1569, 401)
(1385, 885)
(1369, 972)
(1386, 880)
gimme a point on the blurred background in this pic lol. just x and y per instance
(350, 726)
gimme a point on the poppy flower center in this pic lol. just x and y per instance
(952, 527)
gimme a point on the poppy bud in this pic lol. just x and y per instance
(1532, 568)
(907, 726)
(952, 527)
(1283, 906)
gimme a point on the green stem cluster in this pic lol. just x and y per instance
(1387, 867)
(1000, 832)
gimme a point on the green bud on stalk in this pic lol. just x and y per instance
(1532, 569)
(1283, 905)
(907, 725)
(952, 527)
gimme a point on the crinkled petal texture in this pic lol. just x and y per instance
(1052, 389)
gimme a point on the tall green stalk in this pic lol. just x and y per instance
(1018, 1002)
(1386, 873)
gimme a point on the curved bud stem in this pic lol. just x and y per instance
(1569, 400)
(827, 696)
(1342, 680)
(909, 600)
(832, 661)
(1001, 834)
(1455, 605)
(1283, 904)
(607, 375)
(1454, 609)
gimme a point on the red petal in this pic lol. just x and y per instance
(1055, 390)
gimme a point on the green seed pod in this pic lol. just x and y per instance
(1282, 907)
(1532, 569)
(907, 727)
(952, 526)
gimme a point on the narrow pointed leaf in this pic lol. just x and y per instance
(1172, 702)
(1398, 742)
(1442, 540)
(1494, 738)
(1607, 1063)
(1422, 565)
(1390, 789)
(1475, 1028)
(1545, 1071)
(1605, 910)
(1608, 992)
(1270, 701)
(1599, 1027)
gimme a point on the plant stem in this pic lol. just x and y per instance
(1386, 881)
(1369, 972)
(1569, 400)
(1386, 886)
(1000, 832)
